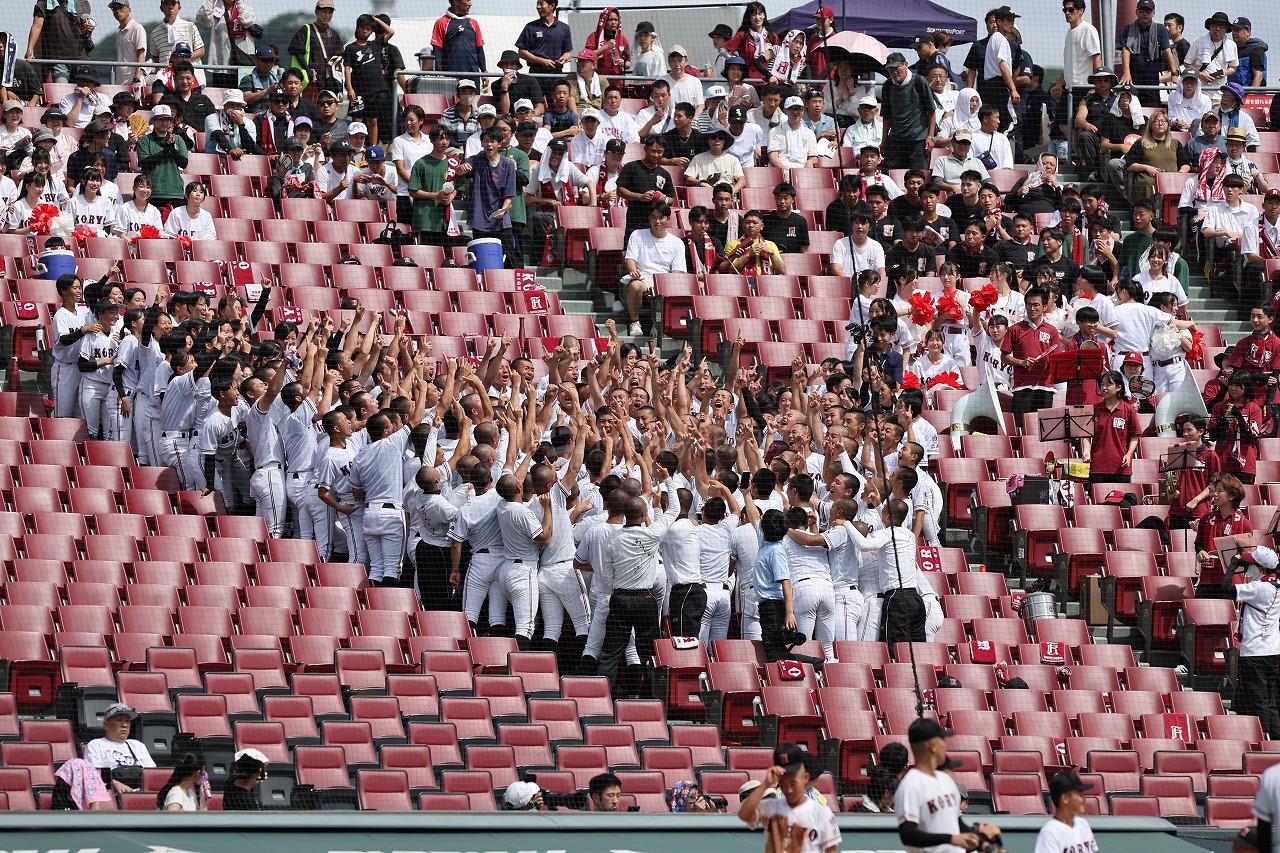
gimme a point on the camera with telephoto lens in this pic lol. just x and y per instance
(577, 801)
(858, 331)
(792, 638)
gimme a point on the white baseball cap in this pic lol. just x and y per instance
(716, 92)
(1266, 558)
(357, 127)
(486, 110)
(522, 104)
(793, 101)
(467, 84)
(590, 112)
(254, 754)
(519, 794)
(161, 111)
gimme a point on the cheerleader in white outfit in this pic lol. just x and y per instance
(191, 219)
(139, 211)
(935, 360)
(955, 333)
(17, 217)
(91, 208)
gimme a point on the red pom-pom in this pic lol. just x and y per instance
(148, 232)
(185, 241)
(42, 216)
(984, 297)
(83, 233)
(922, 310)
(910, 380)
(950, 379)
(949, 307)
(1196, 353)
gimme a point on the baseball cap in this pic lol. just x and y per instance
(486, 110)
(1264, 557)
(792, 757)
(324, 4)
(1132, 358)
(921, 40)
(267, 53)
(825, 12)
(467, 84)
(925, 729)
(1004, 13)
(1274, 192)
(523, 104)
(375, 152)
(868, 101)
(115, 3)
(340, 147)
(1065, 781)
(747, 787)
(119, 709)
(962, 135)
(617, 146)
(293, 142)
(182, 49)
(303, 120)
(557, 145)
(253, 755)
(737, 114)
(526, 127)
(586, 55)
(161, 111)
(53, 112)
(678, 50)
(280, 96)
(1241, 23)
(328, 94)
(645, 28)
(1147, 5)
(716, 92)
(894, 59)
(12, 104)
(357, 127)
(519, 794)
(590, 113)
(793, 101)
(101, 110)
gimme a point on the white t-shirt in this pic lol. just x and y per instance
(1056, 837)
(1135, 322)
(997, 50)
(198, 227)
(99, 214)
(328, 177)
(105, 753)
(1078, 50)
(744, 146)
(408, 150)
(186, 799)
(854, 259)
(932, 803)
(1259, 618)
(1200, 57)
(622, 126)
(823, 831)
(687, 90)
(1266, 803)
(655, 255)
(794, 144)
(132, 220)
(996, 143)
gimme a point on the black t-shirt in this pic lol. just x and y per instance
(1114, 128)
(962, 214)
(524, 86)
(392, 61)
(1065, 271)
(790, 235)
(639, 178)
(60, 36)
(973, 266)
(194, 110)
(922, 260)
(836, 217)
(366, 64)
(946, 228)
(904, 208)
(720, 230)
(682, 146)
(237, 799)
(886, 231)
(1017, 254)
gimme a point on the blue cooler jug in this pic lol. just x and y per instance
(54, 263)
(485, 254)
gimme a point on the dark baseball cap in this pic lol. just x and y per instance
(792, 757)
(645, 28)
(737, 114)
(926, 729)
(615, 146)
(267, 53)
(1147, 5)
(1241, 23)
(1065, 781)
(526, 127)
(557, 145)
(893, 60)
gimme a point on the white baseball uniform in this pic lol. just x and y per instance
(377, 470)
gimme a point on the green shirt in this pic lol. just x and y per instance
(522, 168)
(1131, 248)
(165, 170)
(428, 174)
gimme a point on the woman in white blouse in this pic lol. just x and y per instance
(191, 219)
(13, 136)
(935, 361)
(139, 211)
(17, 216)
(188, 788)
(90, 208)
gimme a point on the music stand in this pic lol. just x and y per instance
(1076, 365)
(1181, 457)
(1073, 422)
(1228, 548)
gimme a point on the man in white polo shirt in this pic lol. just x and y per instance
(685, 88)
(791, 144)
(649, 252)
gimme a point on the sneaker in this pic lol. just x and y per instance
(634, 329)
(618, 307)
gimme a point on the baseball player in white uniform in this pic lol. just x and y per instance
(1266, 808)
(588, 557)
(71, 322)
(127, 376)
(815, 595)
(182, 396)
(477, 523)
(99, 402)
(792, 820)
(377, 479)
(927, 801)
(560, 586)
(844, 562)
(681, 562)
(715, 551)
(523, 537)
(746, 545)
(333, 490)
(1068, 831)
(266, 486)
(221, 446)
(1259, 599)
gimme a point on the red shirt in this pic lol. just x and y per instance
(1193, 481)
(1027, 341)
(1237, 449)
(1257, 355)
(1214, 525)
(745, 46)
(1113, 429)
(1085, 392)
